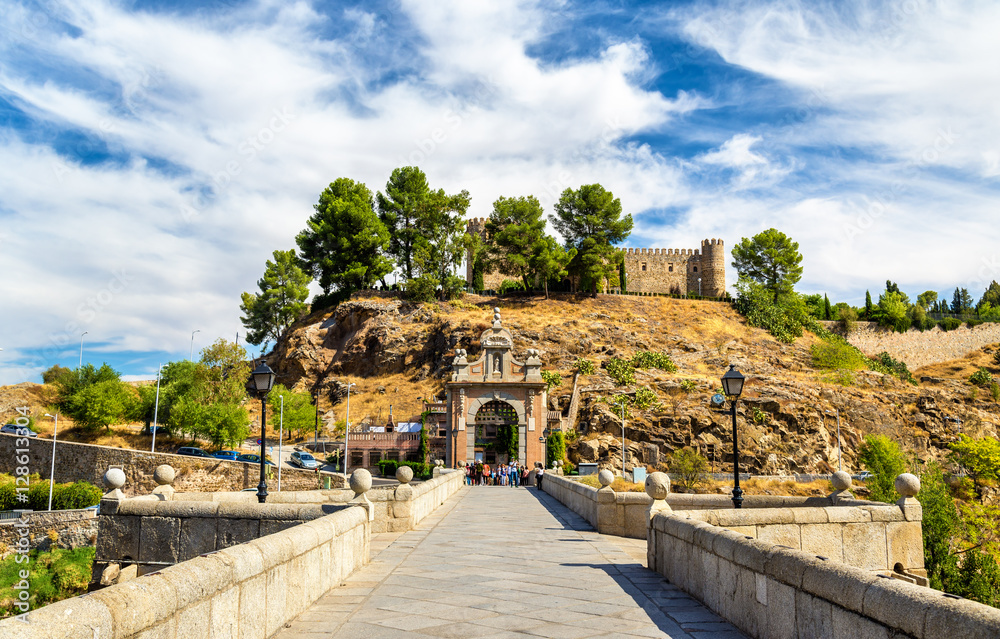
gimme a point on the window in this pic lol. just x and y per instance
(392, 455)
(491, 430)
(695, 269)
(442, 432)
(374, 457)
(670, 268)
(412, 456)
(357, 458)
(490, 457)
(644, 266)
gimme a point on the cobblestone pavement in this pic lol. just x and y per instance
(506, 562)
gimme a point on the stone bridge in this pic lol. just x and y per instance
(441, 559)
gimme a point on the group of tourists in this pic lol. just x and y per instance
(481, 474)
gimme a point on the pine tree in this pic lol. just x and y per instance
(590, 221)
(280, 302)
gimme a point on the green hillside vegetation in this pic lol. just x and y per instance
(54, 575)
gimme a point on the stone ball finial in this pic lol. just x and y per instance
(841, 480)
(114, 478)
(658, 485)
(404, 474)
(496, 310)
(907, 485)
(164, 475)
(361, 481)
(605, 477)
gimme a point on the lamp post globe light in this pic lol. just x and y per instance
(260, 383)
(732, 385)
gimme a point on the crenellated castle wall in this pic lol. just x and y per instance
(650, 270)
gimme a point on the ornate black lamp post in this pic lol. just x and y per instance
(260, 383)
(732, 385)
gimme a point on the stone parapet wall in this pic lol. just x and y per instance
(154, 533)
(767, 590)
(249, 590)
(89, 462)
(71, 529)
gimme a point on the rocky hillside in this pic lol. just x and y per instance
(397, 352)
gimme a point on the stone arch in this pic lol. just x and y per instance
(489, 396)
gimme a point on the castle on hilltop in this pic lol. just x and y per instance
(678, 271)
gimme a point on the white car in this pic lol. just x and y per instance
(304, 460)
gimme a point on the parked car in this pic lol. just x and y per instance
(304, 460)
(250, 458)
(864, 475)
(192, 452)
(231, 455)
(12, 429)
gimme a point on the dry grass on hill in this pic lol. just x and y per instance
(963, 367)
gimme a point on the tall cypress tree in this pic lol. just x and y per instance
(827, 313)
(868, 305)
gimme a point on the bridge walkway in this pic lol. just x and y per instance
(499, 562)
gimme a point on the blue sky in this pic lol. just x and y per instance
(154, 154)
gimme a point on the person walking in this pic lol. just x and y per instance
(479, 473)
(538, 476)
(487, 475)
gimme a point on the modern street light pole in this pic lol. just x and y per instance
(732, 385)
(281, 430)
(260, 383)
(840, 451)
(156, 408)
(52, 474)
(81, 347)
(347, 426)
(623, 437)
(316, 434)
(191, 353)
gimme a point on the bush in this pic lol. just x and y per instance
(55, 575)
(421, 289)
(848, 320)
(584, 366)
(688, 467)
(884, 458)
(552, 380)
(555, 448)
(837, 355)
(784, 320)
(508, 286)
(897, 367)
(620, 370)
(972, 323)
(996, 357)
(388, 467)
(981, 377)
(949, 323)
(651, 359)
(646, 398)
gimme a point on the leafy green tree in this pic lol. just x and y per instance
(978, 578)
(280, 302)
(689, 467)
(513, 228)
(770, 259)
(892, 287)
(81, 378)
(399, 210)
(961, 302)
(927, 299)
(55, 373)
(991, 296)
(103, 404)
(884, 458)
(344, 242)
(550, 261)
(441, 245)
(555, 448)
(979, 457)
(590, 221)
(299, 414)
(552, 380)
(940, 525)
(892, 311)
(814, 303)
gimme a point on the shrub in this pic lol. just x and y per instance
(972, 323)
(996, 357)
(896, 367)
(981, 377)
(784, 321)
(884, 458)
(688, 385)
(651, 359)
(646, 398)
(388, 467)
(508, 286)
(848, 320)
(837, 355)
(949, 323)
(620, 370)
(54, 575)
(688, 467)
(551, 379)
(584, 366)
(421, 289)
(555, 448)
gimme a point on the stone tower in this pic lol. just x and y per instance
(713, 266)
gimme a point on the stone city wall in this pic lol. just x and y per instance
(59, 529)
(920, 348)
(89, 462)
(249, 590)
(768, 590)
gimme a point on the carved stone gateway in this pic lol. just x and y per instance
(493, 396)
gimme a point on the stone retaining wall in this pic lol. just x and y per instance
(767, 590)
(920, 348)
(89, 462)
(250, 591)
(71, 529)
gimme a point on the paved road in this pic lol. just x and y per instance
(504, 562)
